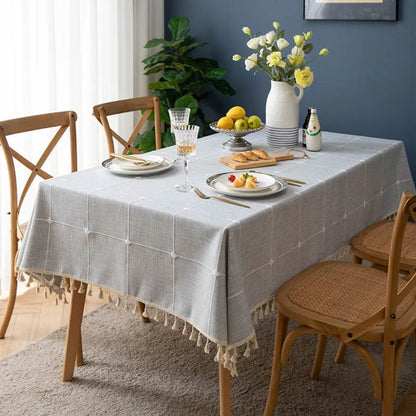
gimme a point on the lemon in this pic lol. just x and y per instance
(226, 123)
(236, 113)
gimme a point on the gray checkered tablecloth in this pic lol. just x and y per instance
(212, 265)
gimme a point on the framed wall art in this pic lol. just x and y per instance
(350, 9)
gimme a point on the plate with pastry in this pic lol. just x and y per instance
(250, 184)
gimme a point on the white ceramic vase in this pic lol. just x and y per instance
(282, 114)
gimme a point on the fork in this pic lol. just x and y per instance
(203, 196)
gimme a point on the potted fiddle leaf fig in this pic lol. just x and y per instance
(185, 80)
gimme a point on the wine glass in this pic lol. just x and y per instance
(185, 137)
(179, 117)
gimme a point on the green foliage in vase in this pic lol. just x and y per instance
(185, 80)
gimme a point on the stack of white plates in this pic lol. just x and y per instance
(154, 164)
(282, 137)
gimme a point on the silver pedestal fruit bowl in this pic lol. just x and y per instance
(237, 143)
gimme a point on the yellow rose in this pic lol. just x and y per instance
(304, 77)
(295, 60)
(299, 40)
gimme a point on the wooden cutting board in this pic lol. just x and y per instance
(226, 160)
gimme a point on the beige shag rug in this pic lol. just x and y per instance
(133, 368)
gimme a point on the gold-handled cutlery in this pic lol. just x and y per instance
(292, 180)
(228, 201)
(135, 160)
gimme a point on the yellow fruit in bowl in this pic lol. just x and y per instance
(240, 124)
(226, 123)
(236, 113)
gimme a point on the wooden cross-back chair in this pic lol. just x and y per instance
(63, 120)
(352, 303)
(147, 104)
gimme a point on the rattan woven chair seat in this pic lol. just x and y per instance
(346, 292)
(374, 243)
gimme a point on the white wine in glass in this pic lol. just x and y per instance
(185, 137)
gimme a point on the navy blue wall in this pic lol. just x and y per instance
(366, 86)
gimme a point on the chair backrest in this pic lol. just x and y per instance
(394, 298)
(146, 104)
(63, 120)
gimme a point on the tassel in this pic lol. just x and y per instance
(126, 306)
(136, 308)
(56, 301)
(82, 287)
(175, 326)
(65, 299)
(261, 316)
(50, 290)
(247, 352)
(145, 314)
(90, 291)
(21, 278)
(45, 293)
(60, 296)
(109, 298)
(274, 305)
(184, 331)
(73, 285)
(37, 288)
(156, 318)
(206, 349)
(199, 340)
(62, 285)
(226, 359)
(192, 337)
(267, 308)
(118, 300)
(255, 343)
(218, 355)
(255, 317)
(166, 319)
(52, 282)
(27, 284)
(100, 294)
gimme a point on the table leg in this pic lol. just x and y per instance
(225, 390)
(73, 335)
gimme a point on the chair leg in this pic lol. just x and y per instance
(145, 319)
(319, 356)
(225, 390)
(342, 348)
(80, 355)
(73, 334)
(281, 329)
(388, 379)
(10, 305)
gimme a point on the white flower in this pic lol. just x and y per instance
(251, 61)
(276, 25)
(271, 36)
(253, 43)
(246, 30)
(296, 51)
(236, 57)
(282, 43)
(275, 59)
(262, 40)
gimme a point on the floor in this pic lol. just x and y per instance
(34, 318)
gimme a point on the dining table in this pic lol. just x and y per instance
(204, 267)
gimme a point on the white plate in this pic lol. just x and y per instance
(155, 160)
(116, 169)
(279, 186)
(263, 182)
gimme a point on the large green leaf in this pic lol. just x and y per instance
(168, 139)
(157, 58)
(183, 75)
(223, 86)
(205, 64)
(146, 141)
(163, 85)
(189, 48)
(187, 101)
(177, 26)
(156, 42)
(307, 48)
(216, 73)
